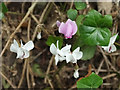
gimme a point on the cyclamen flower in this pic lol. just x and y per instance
(74, 56)
(59, 54)
(39, 35)
(23, 50)
(76, 74)
(111, 47)
(58, 23)
(68, 29)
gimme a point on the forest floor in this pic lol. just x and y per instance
(39, 70)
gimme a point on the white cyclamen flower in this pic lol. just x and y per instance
(74, 56)
(76, 74)
(111, 47)
(23, 50)
(39, 35)
(59, 54)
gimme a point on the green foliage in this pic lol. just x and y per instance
(95, 35)
(38, 72)
(5, 84)
(95, 19)
(52, 39)
(88, 52)
(80, 5)
(94, 30)
(92, 81)
(72, 14)
(3, 10)
(79, 20)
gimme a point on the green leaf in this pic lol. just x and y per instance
(3, 8)
(95, 35)
(5, 84)
(79, 20)
(88, 52)
(52, 39)
(92, 81)
(80, 5)
(78, 43)
(1, 15)
(37, 70)
(72, 14)
(95, 19)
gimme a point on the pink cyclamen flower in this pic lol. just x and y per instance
(68, 29)
(58, 23)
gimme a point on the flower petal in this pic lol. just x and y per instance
(106, 48)
(14, 47)
(76, 74)
(53, 49)
(56, 59)
(113, 48)
(28, 46)
(73, 24)
(77, 54)
(66, 49)
(21, 43)
(68, 31)
(26, 54)
(69, 58)
(62, 28)
(39, 35)
(20, 53)
(58, 23)
(112, 39)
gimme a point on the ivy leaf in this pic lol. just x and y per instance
(92, 81)
(95, 19)
(72, 14)
(95, 35)
(88, 52)
(52, 39)
(80, 5)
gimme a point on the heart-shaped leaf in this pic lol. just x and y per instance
(72, 14)
(88, 52)
(80, 5)
(92, 81)
(95, 19)
(94, 35)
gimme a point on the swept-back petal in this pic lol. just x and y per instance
(74, 27)
(28, 46)
(56, 59)
(77, 54)
(14, 47)
(68, 33)
(62, 28)
(58, 23)
(69, 58)
(66, 49)
(112, 39)
(53, 49)
(76, 74)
